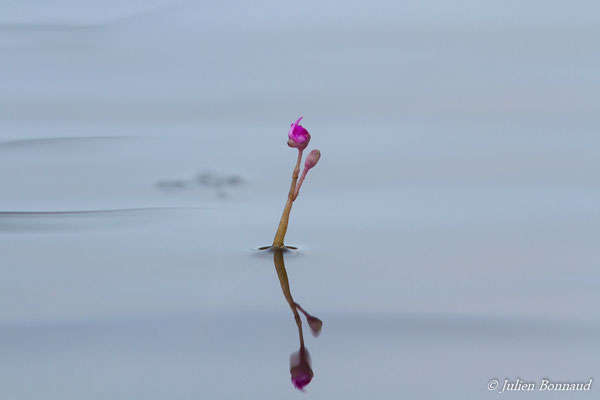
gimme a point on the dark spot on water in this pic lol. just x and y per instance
(172, 184)
(234, 180)
(218, 183)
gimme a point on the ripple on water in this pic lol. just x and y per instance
(44, 221)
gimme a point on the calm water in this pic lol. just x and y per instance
(448, 236)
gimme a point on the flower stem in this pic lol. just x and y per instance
(285, 216)
(299, 185)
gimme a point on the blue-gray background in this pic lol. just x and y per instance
(449, 234)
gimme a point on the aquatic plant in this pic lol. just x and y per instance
(298, 138)
(300, 369)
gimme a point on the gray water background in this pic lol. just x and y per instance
(448, 236)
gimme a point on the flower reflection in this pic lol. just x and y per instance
(300, 368)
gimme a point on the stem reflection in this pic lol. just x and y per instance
(300, 368)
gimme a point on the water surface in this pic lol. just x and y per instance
(448, 235)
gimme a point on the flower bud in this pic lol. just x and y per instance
(312, 159)
(298, 136)
(315, 325)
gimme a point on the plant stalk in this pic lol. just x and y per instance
(285, 216)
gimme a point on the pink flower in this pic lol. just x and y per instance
(300, 368)
(299, 137)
